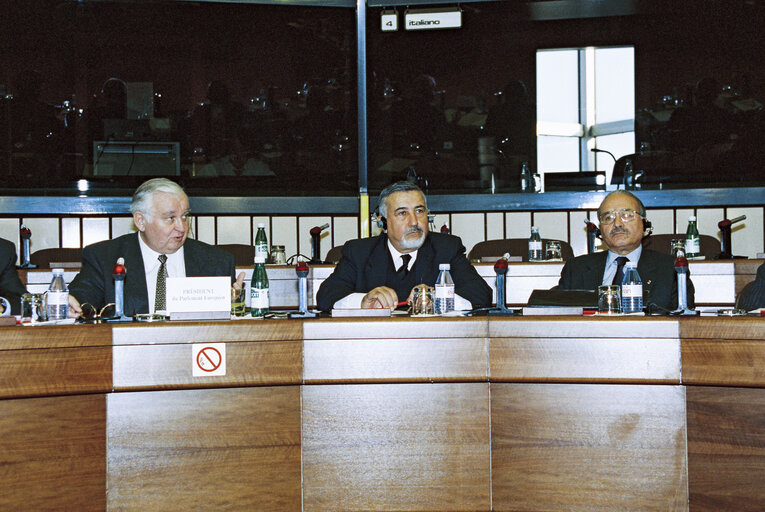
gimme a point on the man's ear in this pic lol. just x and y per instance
(139, 219)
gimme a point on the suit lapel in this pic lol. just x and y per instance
(595, 271)
(194, 265)
(136, 294)
(425, 256)
(377, 264)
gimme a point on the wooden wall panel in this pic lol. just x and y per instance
(388, 360)
(726, 448)
(26, 373)
(585, 360)
(53, 454)
(589, 448)
(415, 447)
(171, 366)
(208, 332)
(403, 327)
(223, 449)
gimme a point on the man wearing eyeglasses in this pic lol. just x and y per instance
(160, 249)
(380, 272)
(623, 225)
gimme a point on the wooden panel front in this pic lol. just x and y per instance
(585, 360)
(171, 366)
(58, 371)
(53, 454)
(408, 360)
(54, 336)
(403, 327)
(726, 448)
(723, 351)
(403, 447)
(208, 332)
(215, 449)
(584, 327)
(588, 447)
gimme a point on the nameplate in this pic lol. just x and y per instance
(198, 298)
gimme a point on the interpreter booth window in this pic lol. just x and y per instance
(585, 101)
(232, 98)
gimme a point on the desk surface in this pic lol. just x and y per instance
(387, 414)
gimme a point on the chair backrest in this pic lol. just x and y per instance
(244, 255)
(56, 255)
(334, 255)
(709, 245)
(513, 246)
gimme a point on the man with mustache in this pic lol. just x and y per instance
(623, 227)
(380, 272)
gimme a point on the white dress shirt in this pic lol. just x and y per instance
(175, 266)
(611, 263)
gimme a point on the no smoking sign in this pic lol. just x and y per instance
(208, 359)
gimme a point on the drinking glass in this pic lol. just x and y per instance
(609, 299)
(422, 301)
(553, 251)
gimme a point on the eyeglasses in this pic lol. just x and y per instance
(91, 315)
(626, 214)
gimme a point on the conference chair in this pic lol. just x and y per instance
(515, 247)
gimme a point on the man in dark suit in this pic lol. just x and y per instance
(10, 284)
(753, 294)
(160, 249)
(623, 226)
(379, 272)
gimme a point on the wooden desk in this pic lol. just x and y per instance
(387, 414)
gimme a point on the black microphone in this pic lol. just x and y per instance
(318, 229)
(596, 150)
(315, 241)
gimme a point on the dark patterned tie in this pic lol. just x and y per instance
(403, 270)
(159, 300)
(620, 261)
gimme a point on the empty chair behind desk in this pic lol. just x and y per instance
(56, 257)
(244, 255)
(515, 247)
(709, 245)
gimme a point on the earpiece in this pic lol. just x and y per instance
(647, 227)
(382, 222)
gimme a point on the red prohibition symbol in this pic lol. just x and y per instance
(209, 359)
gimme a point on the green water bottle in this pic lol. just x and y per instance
(261, 242)
(692, 244)
(259, 289)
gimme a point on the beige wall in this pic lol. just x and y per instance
(293, 231)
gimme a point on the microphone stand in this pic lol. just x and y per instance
(25, 234)
(302, 272)
(592, 233)
(725, 238)
(118, 273)
(500, 267)
(681, 267)
(316, 244)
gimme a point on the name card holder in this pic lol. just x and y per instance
(199, 298)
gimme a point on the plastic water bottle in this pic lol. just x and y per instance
(692, 243)
(444, 290)
(632, 289)
(259, 302)
(261, 242)
(535, 245)
(57, 298)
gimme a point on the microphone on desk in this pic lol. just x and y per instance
(596, 150)
(25, 234)
(681, 267)
(726, 251)
(316, 243)
(500, 268)
(593, 232)
(118, 273)
(302, 272)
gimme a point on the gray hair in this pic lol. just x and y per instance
(144, 194)
(641, 208)
(399, 186)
